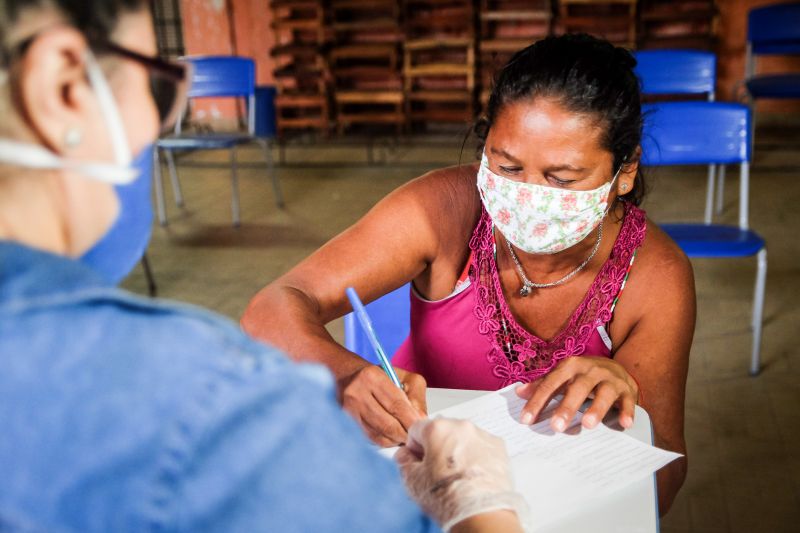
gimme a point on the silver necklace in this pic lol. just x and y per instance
(527, 284)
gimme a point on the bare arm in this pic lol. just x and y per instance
(653, 327)
(656, 352)
(397, 241)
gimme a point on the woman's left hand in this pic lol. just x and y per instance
(580, 378)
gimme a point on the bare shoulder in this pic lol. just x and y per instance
(663, 272)
(452, 187)
(449, 197)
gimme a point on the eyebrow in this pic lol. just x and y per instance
(553, 168)
(568, 168)
(505, 154)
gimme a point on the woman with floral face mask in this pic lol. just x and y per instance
(518, 264)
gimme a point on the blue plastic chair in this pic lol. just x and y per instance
(772, 30)
(684, 73)
(701, 133)
(677, 72)
(391, 318)
(215, 77)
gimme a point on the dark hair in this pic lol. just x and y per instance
(586, 75)
(96, 19)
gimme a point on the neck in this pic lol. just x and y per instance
(542, 268)
(31, 211)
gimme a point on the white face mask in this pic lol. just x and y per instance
(539, 219)
(36, 156)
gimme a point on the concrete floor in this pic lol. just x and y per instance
(743, 433)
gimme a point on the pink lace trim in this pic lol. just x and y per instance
(516, 354)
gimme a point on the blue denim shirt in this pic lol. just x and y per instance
(119, 413)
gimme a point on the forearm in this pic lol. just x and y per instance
(288, 319)
(502, 520)
(669, 480)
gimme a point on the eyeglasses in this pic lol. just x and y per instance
(169, 80)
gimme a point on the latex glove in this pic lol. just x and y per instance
(454, 471)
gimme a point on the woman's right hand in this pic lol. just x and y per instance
(383, 410)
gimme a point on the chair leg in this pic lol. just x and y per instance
(720, 189)
(173, 176)
(152, 288)
(752, 105)
(709, 213)
(276, 186)
(234, 187)
(158, 185)
(758, 311)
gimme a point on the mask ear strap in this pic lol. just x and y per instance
(619, 169)
(113, 120)
(35, 156)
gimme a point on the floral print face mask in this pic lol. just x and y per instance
(538, 219)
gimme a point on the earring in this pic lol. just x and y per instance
(73, 137)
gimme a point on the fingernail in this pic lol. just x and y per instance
(590, 420)
(527, 418)
(626, 421)
(559, 424)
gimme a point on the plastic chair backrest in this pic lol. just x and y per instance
(391, 318)
(774, 29)
(695, 133)
(676, 71)
(699, 133)
(226, 77)
(222, 76)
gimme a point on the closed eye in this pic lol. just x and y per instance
(559, 181)
(510, 170)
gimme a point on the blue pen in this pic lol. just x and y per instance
(366, 323)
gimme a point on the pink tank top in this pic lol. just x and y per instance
(470, 340)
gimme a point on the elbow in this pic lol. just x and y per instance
(256, 319)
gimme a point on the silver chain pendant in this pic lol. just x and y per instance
(527, 284)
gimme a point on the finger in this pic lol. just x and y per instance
(543, 393)
(405, 457)
(372, 417)
(417, 435)
(576, 394)
(604, 399)
(383, 427)
(415, 387)
(626, 411)
(525, 391)
(408, 466)
(395, 402)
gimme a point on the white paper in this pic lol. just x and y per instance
(559, 472)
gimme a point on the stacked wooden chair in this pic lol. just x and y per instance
(365, 63)
(301, 72)
(677, 24)
(614, 20)
(505, 27)
(439, 61)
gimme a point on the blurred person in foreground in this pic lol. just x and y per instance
(126, 414)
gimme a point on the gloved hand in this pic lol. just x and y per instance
(454, 471)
